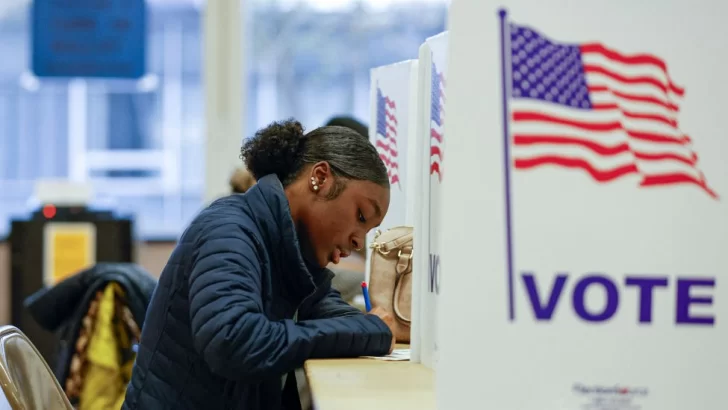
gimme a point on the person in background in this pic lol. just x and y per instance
(245, 298)
(241, 181)
(350, 122)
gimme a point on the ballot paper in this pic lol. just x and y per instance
(396, 356)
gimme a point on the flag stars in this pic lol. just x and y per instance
(543, 70)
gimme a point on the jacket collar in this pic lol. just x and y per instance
(268, 201)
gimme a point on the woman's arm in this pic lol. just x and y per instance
(330, 305)
(233, 335)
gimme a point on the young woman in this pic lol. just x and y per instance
(245, 297)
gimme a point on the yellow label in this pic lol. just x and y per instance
(70, 248)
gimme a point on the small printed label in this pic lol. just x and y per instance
(615, 397)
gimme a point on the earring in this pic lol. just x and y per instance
(313, 183)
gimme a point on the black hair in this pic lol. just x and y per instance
(283, 149)
(350, 122)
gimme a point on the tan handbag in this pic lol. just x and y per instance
(390, 278)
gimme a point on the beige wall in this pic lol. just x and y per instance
(150, 255)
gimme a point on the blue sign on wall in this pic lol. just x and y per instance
(88, 38)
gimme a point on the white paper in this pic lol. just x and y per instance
(396, 356)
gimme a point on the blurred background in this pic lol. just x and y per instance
(307, 59)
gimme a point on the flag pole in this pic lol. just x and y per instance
(502, 13)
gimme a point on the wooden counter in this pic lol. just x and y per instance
(368, 384)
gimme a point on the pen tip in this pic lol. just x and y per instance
(363, 284)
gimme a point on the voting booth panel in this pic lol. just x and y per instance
(394, 98)
(587, 176)
(393, 103)
(430, 140)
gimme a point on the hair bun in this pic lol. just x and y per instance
(275, 149)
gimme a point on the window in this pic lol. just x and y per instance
(141, 143)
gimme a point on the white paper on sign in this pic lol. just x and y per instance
(397, 355)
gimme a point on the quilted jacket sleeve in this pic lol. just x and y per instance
(233, 335)
(331, 305)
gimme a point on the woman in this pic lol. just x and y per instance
(245, 297)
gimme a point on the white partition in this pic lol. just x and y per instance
(393, 103)
(584, 228)
(392, 131)
(430, 145)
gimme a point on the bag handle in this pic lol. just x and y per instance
(385, 247)
(404, 257)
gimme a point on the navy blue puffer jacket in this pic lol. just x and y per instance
(219, 332)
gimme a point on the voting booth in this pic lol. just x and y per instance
(430, 150)
(393, 100)
(584, 219)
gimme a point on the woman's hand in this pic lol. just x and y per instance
(388, 319)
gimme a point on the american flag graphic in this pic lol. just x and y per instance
(437, 131)
(589, 107)
(386, 141)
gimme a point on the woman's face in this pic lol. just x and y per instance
(337, 227)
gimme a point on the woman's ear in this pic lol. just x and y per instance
(321, 178)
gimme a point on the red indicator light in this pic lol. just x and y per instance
(49, 211)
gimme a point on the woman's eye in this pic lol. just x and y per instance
(361, 218)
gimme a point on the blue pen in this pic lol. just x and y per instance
(365, 292)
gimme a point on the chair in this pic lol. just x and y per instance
(26, 381)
